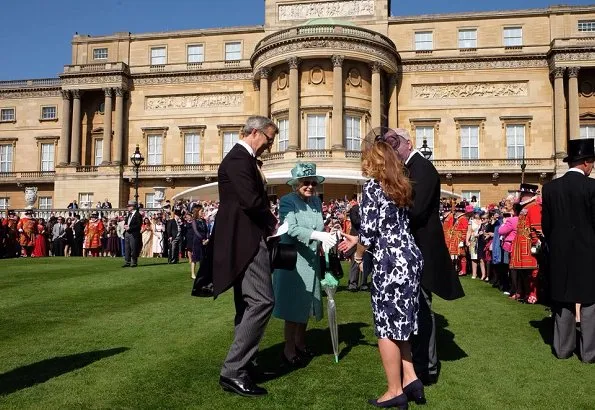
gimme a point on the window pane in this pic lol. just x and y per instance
(513, 36)
(100, 53)
(283, 138)
(158, 56)
(586, 25)
(352, 133)
(45, 202)
(47, 157)
(426, 133)
(229, 140)
(196, 54)
(48, 113)
(155, 150)
(233, 51)
(316, 131)
(469, 142)
(468, 38)
(424, 40)
(7, 114)
(6, 158)
(192, 149)
(150, 200)
(98, 151)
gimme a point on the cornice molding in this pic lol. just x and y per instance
(30, 93)
(183, 78)
(477, 63)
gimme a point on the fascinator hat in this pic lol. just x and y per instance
(303, 170)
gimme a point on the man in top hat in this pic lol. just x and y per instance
(523, 255)
(457, 235)
(27, 227)
(11, 231)
(568, 222)
(132, 235)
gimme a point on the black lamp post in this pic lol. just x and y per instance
(523, 166)
(137, 159)
(425, 150)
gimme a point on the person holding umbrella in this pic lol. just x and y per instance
(396, 274)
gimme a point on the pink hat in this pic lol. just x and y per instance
(469, 209)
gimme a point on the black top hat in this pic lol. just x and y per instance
(12, 213)
(29, 212)
(460, 207)
(528, 188)
(580, 149)
(94, 215)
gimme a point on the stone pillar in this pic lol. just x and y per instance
(256, 84)
(337, 135)
(294, 104)
(265, 73)
(75, 147)
(559, 113)
(376, 107)
(573, 110)
(65, 136)
(107, 128)
(119, 131)
(393, 111)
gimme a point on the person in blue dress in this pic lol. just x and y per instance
(396, 271)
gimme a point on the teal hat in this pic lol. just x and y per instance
(304, 170)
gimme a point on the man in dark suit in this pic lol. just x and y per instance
(174, 235)
(78, 231)
(438, 275)
(132, 236)
(568, 223)
(238, 250)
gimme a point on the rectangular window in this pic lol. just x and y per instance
(47, 157)
(515, 141)
(513, 36)
(587, 131)
(86, 199)
(316, 131)
(45, 202)
(469, 142)
(425, 133)
(233, 51)
(468, 38)
(158, 56)
(49, 113)
(7, 114)
(352, 133)
(191, 149)
(196, 53)
(98, 152)
(154, 149)
(150, 201)
(230, 138)
(4, 203)
(283, 138)
(6, 152)
(100, 54)
(586, 26)
(424, 40)
(470, 195)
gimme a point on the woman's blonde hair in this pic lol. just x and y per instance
(379, 161)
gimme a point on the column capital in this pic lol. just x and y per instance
(573, 71)
(559, 72)
(76, 94)
(375, 67)
(294, 62)
(265, 72)
(65, 94)
(108, 92)
(120, 92)
(337, 60)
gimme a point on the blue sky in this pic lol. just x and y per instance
(36, 34)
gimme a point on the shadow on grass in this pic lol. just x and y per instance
(40, 372)
(350, 334)
(448, 349)
(546, 329)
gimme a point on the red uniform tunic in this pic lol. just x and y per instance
(447, 226)
(93, 232)
(27, 228)
(458, 234)
(530, 218)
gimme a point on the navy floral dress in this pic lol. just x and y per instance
(397, 264)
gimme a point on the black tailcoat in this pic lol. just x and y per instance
(438, 275)
(568, 223)
(242, 220)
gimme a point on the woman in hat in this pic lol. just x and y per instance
(297, 291)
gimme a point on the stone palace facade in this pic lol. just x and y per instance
(488, 91)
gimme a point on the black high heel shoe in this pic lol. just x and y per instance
(294, 362)
(399, 402)
(415, 392)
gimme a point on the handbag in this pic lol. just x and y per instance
(282, 255)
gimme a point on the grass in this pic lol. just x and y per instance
(84, 333)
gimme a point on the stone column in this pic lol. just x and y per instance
(573, 110)
(559, 113)
(376, 114)
(119, 131)
(337, 135)
(393, 113)
(265, 73)
(256, 84)
(65, 136)
(75, 147)
(107, 128)
(294, 104)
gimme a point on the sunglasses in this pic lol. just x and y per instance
(313, 184)
(270, 139)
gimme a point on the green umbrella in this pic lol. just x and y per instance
(329, 284)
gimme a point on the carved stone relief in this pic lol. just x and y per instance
(29, 93)
(471, 90)
(194, 78)
(474, 65)
(316, 75)
(345, 8)
(282, 80)
(587, 88)
(194, 101)
(354, 78)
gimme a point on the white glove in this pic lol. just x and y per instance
(328, 239)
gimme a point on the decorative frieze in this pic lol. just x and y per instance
(29, 94)
(343, 8)
(194, 101)
(410, 67)
(193, 78)
(101, 79)
(471, 90)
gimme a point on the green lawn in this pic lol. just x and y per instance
(84, 333)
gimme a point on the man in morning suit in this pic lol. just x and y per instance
(132, 236)
(568, 223)
(238, 251)
(438, 275)
(78, 230)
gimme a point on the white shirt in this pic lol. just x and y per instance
(248, 147)
(580, 171)
(415, 151)
(130, 217)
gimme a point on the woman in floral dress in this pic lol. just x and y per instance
(396, 269)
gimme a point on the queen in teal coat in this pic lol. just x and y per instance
(297, 291)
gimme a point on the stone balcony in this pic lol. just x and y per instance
(27, 177)
(96, 68)
(188, 67)
(25, 84)
(173, 171)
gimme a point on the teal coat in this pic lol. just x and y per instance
(297, 292)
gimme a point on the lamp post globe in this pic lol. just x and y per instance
(137, 159)
(425, 150)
